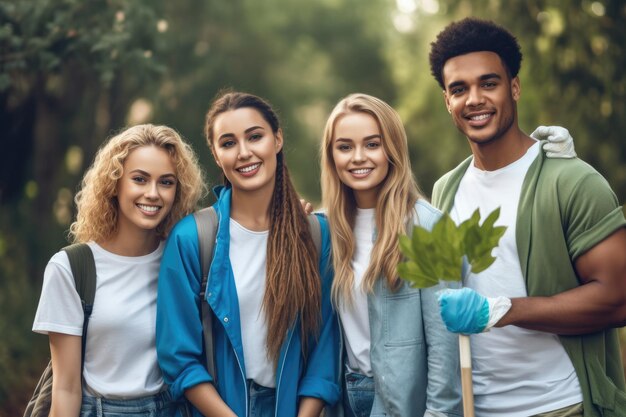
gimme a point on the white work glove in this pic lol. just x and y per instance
(560, 143)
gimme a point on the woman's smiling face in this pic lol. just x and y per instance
(359, 157)
(245, 147)
(147, 188)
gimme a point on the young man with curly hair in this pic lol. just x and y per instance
(552, 299)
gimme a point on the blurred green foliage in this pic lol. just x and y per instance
(73, 72)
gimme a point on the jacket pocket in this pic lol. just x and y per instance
(402, 319)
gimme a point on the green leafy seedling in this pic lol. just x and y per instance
(438, 255)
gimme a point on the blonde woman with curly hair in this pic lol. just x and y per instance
(141, 182)
(399, 358)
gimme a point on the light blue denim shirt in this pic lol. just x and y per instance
(415, 360)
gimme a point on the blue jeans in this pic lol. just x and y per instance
(359, 396)
(159, 405)
(262, 400)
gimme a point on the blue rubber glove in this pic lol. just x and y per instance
(464, 311)
(467, 312)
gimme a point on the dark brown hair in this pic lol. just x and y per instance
(292, 288)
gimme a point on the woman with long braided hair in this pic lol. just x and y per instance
(276, 336)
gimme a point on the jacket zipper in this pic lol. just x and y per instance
(280, 375)
(243, 375)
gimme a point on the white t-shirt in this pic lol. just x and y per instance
(247, 252)
(516, 372)
(120, 357)
(355, 318)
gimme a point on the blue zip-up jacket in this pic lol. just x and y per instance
(179, 339)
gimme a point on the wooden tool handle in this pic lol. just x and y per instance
(466, 375)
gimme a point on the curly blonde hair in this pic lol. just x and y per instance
(96, 202)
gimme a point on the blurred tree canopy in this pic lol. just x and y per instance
(74, 72)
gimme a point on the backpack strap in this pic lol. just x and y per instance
(206, 222)
(316, 232)
(84, 272)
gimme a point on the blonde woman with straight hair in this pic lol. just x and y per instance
(399, 358)
(141, 182)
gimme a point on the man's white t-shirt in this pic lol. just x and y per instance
(247, 252)
(516, 372)
(355, 318)
(120, 357)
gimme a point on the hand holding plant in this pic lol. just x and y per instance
(440, 255)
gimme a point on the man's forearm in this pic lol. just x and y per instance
(585, 309)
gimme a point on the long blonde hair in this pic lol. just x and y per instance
(292, 286)
(394, 207)
(96, 202)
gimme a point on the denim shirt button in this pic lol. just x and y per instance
(225, 319)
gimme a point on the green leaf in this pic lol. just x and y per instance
(480, 264)
(438, 254)
(411, 272)
(491, 218)
(480, 240)
(406, 248)
(421, 237)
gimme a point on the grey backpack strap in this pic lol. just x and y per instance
(316, 232)
(206, 221)
(84, 272)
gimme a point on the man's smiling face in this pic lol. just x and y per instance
(480, 96)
